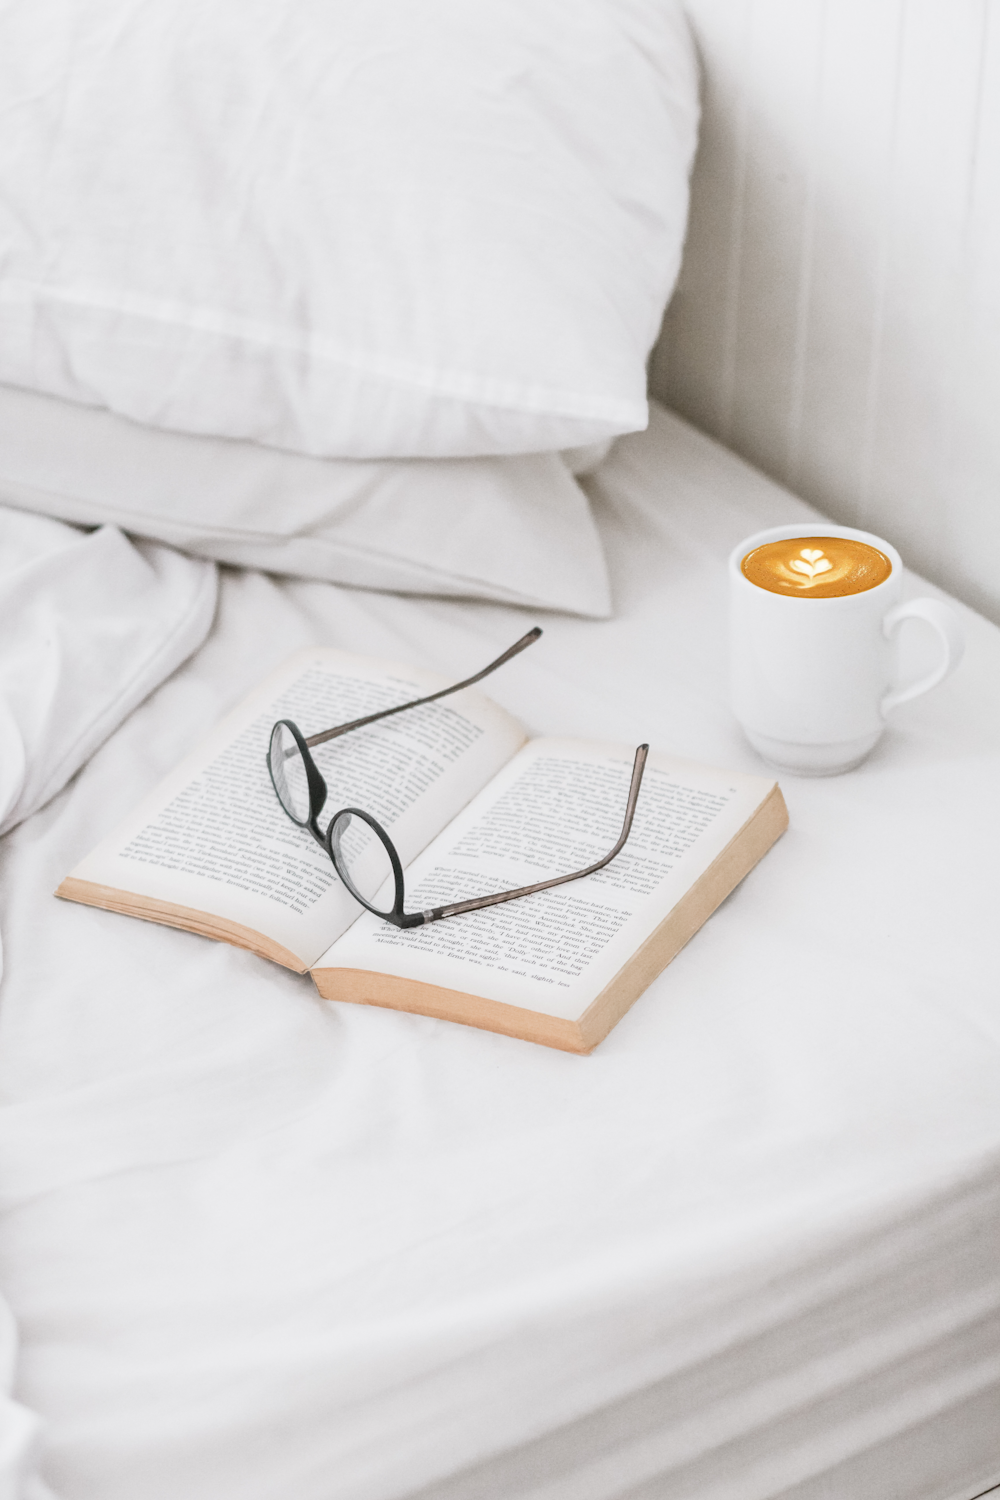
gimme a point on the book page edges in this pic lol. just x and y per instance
(150, 909)
(744, 850)
(362, 987)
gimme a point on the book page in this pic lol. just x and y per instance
(213, 836)
(557, 806)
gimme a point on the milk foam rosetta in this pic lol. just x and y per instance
(816, 567)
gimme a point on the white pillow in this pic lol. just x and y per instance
(348, 228)
(517, 529)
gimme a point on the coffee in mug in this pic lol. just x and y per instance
(816, 567)
(813, 649)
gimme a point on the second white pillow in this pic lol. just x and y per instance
(517, 530)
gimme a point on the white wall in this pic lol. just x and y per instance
(837, 319)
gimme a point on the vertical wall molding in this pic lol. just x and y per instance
(837, 317)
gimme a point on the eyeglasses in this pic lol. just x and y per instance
(363, 854)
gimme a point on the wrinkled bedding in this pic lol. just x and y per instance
(257, 1245)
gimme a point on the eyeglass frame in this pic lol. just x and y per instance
(318, 792)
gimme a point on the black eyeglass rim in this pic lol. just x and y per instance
(397, 915)
(314, 779)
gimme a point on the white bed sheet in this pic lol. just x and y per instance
(261, 1246)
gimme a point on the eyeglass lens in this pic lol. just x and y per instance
(288, 772)
(362, 862)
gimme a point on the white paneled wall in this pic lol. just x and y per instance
(837, 319)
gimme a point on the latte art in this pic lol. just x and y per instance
(816, 567)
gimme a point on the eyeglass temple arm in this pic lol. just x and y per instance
(457, 907)
(518, 646)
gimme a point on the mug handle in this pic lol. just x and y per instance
(946, 625)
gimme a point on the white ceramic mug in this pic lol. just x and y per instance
(813, 679)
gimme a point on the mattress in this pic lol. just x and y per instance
(259, 1245)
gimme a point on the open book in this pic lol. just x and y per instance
(472, 807)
